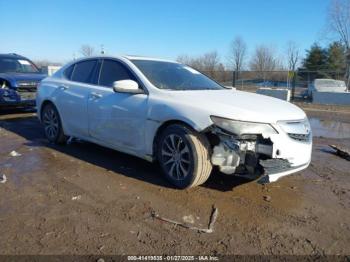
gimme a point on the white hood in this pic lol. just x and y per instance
(239, 105)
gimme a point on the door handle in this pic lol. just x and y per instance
(95, 95)
(63, 87)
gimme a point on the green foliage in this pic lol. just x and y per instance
(316, 58)
(336, 57)
(327, 62)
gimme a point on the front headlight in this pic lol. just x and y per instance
(4, 85)
(296, 127)
(241, 128)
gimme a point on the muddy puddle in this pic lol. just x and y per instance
(329, 128)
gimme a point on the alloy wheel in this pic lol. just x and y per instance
(51, 123)
(176, 157)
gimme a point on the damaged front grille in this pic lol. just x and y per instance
(27, 86)
(300, 137)
(27, 93)
(26, 89)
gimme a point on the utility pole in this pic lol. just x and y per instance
(348, 69)
(294, 81)
(234, 78)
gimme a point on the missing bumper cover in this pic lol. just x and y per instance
(232, 152)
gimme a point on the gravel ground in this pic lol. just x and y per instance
(85, 199)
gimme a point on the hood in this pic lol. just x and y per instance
(13, 78)
(240, 105)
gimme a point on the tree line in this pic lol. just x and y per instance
(335, 57)
(332, 58)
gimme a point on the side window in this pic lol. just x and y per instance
(83, 71)
(68, 72)
(112, 71)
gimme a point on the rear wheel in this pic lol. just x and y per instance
(183, 155)
(52, 124)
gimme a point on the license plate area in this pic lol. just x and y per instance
(27, 95)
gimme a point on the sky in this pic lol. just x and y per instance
(55, 30)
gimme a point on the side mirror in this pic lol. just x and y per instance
(127, 86)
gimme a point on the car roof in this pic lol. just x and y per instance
(123, 57)
(12, 55)
(137, 57)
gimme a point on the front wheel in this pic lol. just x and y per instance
(52, 124)
(183, 155)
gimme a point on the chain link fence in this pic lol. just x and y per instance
(296, 81)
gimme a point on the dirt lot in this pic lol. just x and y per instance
(85, 199)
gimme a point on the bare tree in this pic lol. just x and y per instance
(43, 63)
(87, 50)
(339, 20)
(184, 59)
(263, 59)
(293, 55)
(293, 58)
(237, 53)
(208, 62)
(339, 24)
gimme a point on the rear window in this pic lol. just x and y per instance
(83, 71)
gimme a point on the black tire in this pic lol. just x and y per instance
(191, 159)
(52, 124)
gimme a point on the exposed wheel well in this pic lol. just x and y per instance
(162, 128)
(59, 137)
(212, 138)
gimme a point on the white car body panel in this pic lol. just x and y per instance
(129, 122)
(73, 106)
(231, 104)
(118, 118)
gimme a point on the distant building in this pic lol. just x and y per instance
(50, 70)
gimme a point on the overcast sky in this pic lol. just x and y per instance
(55, 30)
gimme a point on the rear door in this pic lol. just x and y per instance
(72, 96)
(117, 118)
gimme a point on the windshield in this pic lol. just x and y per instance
(17, 65)
(174, 76)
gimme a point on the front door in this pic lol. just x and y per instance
(117, 119)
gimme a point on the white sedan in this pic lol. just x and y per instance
(168, 112)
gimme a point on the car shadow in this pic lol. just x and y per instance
(28, 127)
(16, 110)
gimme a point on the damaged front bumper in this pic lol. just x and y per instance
(266, 157)
(11, 97)
(276, 170)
